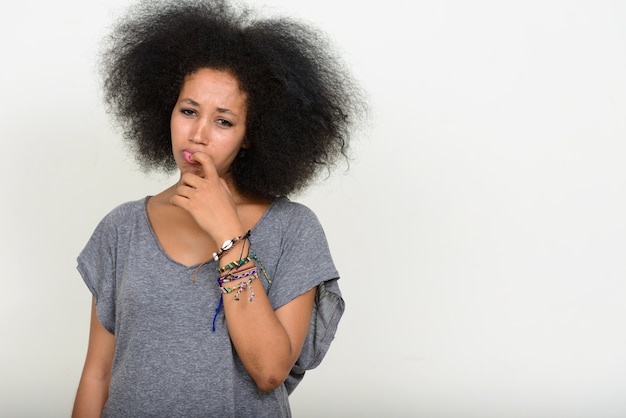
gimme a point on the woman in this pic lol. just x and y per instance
(214, 296)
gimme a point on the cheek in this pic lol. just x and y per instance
(178, 136)
(179, 124)
(175, 128)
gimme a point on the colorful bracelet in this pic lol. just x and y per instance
(240, 288)
(260, 265)
(239, 274)
(237, 263)
(229, 244)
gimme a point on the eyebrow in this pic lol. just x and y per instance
(219, 109)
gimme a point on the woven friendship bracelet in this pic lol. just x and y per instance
(240, 288)
(260, 265)
(235, 264)
(251, 272)
(239, 274)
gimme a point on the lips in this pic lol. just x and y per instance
(187, 156)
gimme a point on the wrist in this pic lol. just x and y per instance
(229, 244)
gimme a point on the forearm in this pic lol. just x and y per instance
(93, 388)
(259, 338)
(91, 395)
(268, 342)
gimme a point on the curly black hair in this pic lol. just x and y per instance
(302, 100)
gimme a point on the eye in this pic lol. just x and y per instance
(188, 112)
(224, 123)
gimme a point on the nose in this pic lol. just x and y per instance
(198, 133)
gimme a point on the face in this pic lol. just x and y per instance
(209, 117)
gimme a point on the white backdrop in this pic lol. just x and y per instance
(480, 231)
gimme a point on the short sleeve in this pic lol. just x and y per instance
(304, 260)
(306, 263)
(327, 311)
(96, 265)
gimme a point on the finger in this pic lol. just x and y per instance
(180, 201)
(182, 195)
(190, 180)
(208, 166)
(184, 191)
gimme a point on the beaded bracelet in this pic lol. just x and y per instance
(239, 288)
(229, 244)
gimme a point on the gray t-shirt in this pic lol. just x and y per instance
(168, 361)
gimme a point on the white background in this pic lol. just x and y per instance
(480, 230)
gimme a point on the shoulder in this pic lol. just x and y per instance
(116, 227)
(122, 217)
(292, 220)
(129, 208)
(287, 210)
(126, 211)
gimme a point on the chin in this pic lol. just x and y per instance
(198, 171)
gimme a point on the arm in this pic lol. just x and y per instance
(93, 388)
(268, 342)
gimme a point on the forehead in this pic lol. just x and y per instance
(214, 88)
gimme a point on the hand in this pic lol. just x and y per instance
(209, 200)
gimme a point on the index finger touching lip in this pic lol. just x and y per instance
(187, 155)
(199, 157)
